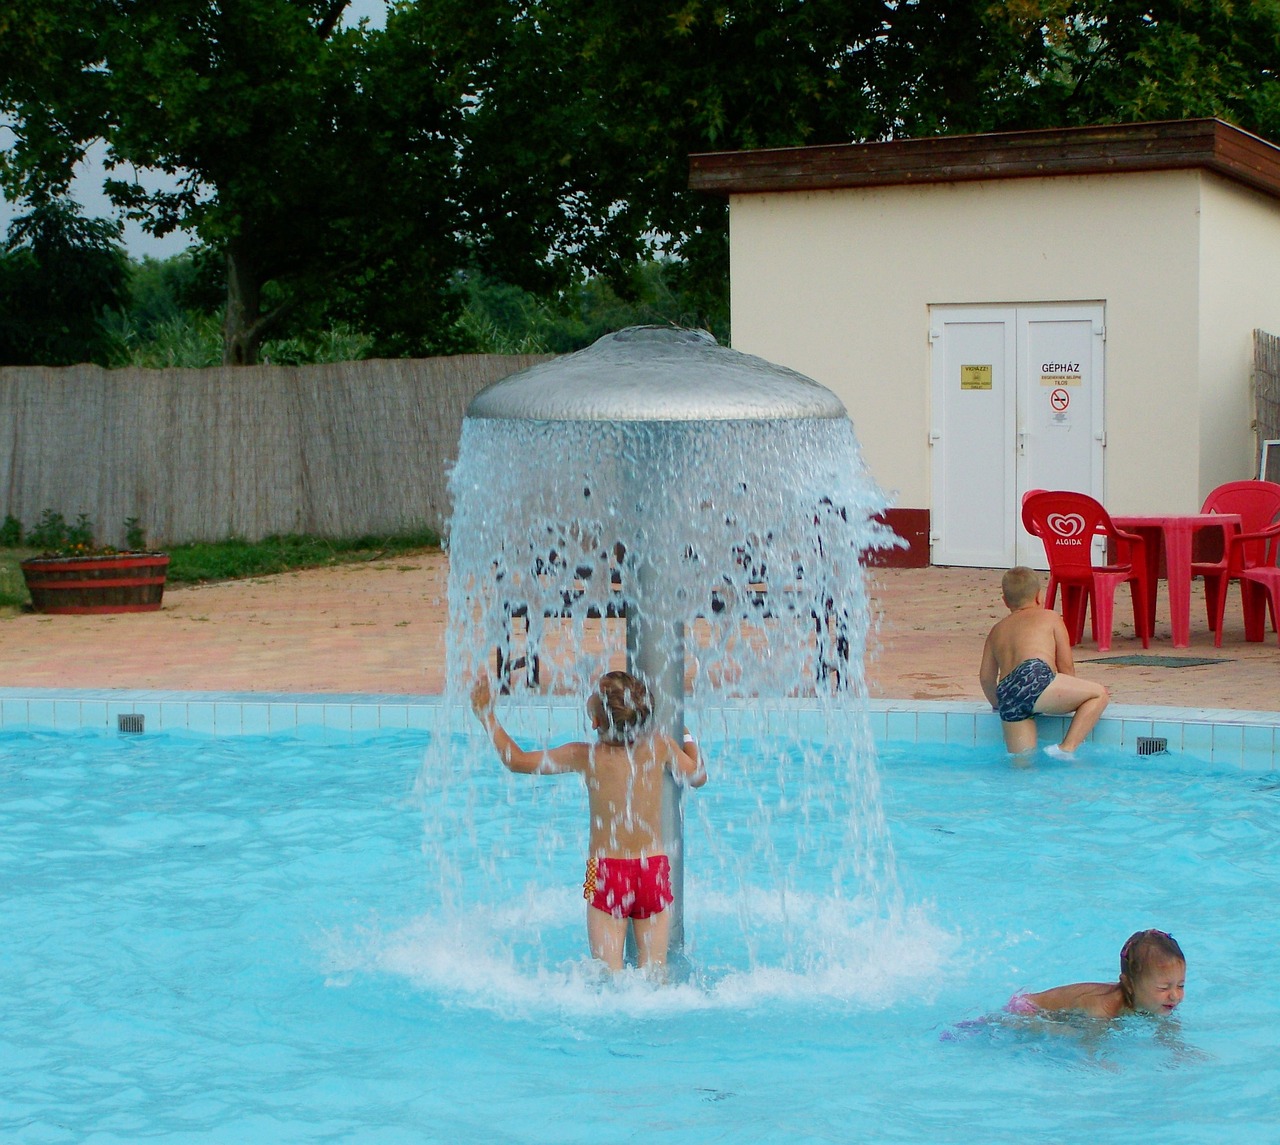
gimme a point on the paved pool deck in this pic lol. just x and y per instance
(379, 628)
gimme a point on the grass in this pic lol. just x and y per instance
(13, 590)
(237, 559)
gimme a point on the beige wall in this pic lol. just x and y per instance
(838, 285)
(1239, 291)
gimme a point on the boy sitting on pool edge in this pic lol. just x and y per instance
(1027, 670)
(628, 876)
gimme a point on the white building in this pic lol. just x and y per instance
(1049, 309)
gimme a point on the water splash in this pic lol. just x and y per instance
(740, 543)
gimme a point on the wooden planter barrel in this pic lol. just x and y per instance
(124, 582)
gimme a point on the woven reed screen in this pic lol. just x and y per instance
(333, 450)
(1266, 390)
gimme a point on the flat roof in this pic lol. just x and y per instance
(1169, 145)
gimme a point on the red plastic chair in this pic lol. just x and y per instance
(1260, 588)
(1066, 523)
(1051, 592)
(1254, 547)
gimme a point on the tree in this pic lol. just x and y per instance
(1106, 61)
(583, 115)
(347, 174)
(59, 273)
(584, 112)
(317, 159)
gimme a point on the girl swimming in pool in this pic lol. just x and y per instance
(1153, 973)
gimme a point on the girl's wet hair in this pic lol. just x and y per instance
(627, 704)
(1143, 950)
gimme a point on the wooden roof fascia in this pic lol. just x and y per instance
(1111, 149)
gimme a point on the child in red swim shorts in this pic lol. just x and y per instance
(628, 877)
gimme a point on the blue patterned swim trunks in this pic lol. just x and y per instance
(1017, 693)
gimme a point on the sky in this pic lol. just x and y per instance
(87, 188)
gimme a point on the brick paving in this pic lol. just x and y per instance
(380, 627)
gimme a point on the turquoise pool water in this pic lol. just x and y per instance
(243, 939)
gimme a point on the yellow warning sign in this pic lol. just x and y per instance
(975, 377)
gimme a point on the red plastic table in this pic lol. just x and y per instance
(1176, 531)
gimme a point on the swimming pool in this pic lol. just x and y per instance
(241, 939)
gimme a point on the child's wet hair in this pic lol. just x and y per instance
(627, 704)
(1143, 950)
(1019, 586)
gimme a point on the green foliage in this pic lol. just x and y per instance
(163, 291)
(1076, 62)
(313, 157)
(59, 272)
(53, 535)
(231, 559)
(342, 179)
(339, 343)
(191, 340)
(183, 341)
(135, 536)
(496, 318)
(575, 158)
(13, 586)
(502, 319)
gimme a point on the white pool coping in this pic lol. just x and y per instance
(1223, 736)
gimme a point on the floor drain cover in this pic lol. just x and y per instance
(1154, 661)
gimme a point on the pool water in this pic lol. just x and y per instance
(245, 940)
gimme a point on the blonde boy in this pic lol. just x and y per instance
(1027, 669)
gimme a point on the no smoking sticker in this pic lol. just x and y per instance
(1059, 400)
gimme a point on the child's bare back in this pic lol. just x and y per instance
(1027, 634)
(624, 796)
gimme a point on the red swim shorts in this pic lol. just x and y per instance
(629, 888)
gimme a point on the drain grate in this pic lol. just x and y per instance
(1153, 745)
(130, 723)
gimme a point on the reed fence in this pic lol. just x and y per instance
(331, 450)
(1266, 390)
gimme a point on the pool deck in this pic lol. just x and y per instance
(379, 629)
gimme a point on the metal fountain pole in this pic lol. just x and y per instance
(655, 653)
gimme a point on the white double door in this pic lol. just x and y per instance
(1017, 404)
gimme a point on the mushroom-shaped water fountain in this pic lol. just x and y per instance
(713, 503)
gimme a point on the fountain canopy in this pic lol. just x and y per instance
(656, 373)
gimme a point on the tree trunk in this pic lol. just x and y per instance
(242, 326)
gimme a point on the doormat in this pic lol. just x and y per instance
(1154, 661)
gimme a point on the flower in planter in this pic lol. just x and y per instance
(54, 537)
